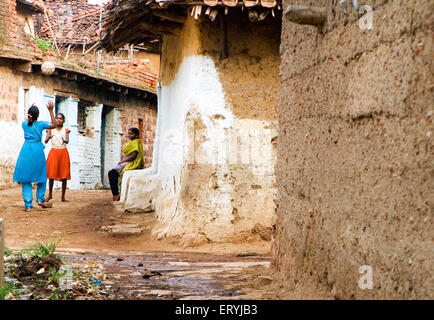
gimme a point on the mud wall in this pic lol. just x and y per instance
(355, 152)
(19, 90)
(217, 155)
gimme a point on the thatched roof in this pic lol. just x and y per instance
(145, 21)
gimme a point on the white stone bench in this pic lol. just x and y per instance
(139, 189)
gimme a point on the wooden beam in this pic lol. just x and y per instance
(253, 16)
(263, 15)
(67, 52)
(160, 29)
(224, 53)
(213, 14)
(164, 15)
(24, 67)
(314, 16)
(71, 76)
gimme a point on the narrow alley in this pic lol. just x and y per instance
(116, 248)
(216, 150)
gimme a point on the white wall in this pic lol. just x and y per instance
(195, 89)
(202, 151)
(113, 143)
(84, 151)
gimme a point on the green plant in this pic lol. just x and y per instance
(8, 288)
(43, 44)
(56, 295)
(42, 250)
(55, 276)
(8, 252)
(98, 70)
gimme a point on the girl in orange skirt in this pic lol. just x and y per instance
(58, 163)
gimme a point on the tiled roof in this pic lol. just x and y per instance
(136, 71)
(19, 46)
(75, 22)
(72, 21)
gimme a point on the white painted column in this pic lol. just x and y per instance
(90, 150)
(113, 142)
(69, 107)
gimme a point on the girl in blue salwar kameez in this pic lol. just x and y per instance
(31, 165)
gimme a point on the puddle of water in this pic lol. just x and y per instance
(153, 276)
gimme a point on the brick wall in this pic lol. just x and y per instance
(89, 149)
(12, 35)
(4, 12)
(13, 105)
(10, 130)
(148, 115)
(8, 98)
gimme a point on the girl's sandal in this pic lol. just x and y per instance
(27, 209)
(45, 204)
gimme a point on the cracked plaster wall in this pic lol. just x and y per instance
(216, 155)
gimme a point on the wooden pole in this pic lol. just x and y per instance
(2, 253)
(98, 53)
(51, 30)
(67, 52)
(224, 52)
(131, 53)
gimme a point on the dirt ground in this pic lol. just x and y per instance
(81, 223)
(135, 265)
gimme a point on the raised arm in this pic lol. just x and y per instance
(50, 107)
(66, 140)
(48, 137)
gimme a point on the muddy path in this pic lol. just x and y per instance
(85, 224)
(132, 265)
(177, 276)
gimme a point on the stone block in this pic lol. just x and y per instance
(141, 194)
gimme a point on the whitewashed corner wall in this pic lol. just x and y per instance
(113, 143)
(69, 108)
(199, 135)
